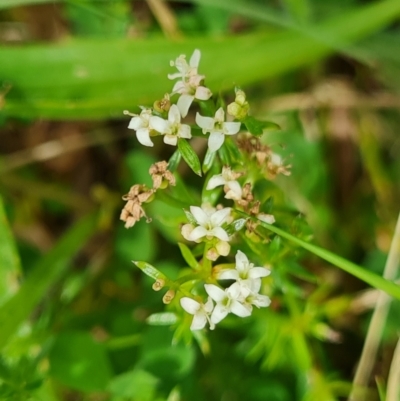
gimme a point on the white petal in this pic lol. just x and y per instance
(199, 214)
(223, 248)
(253, 285)
(179, 87)
(220, 216)
(143, 136)
(197, 233)
(159, 124)
(135, 123)
(215, 292)
(219, 313)
(215, 140)
(174, 116)
(261, 301)
(190, 305)
(219, 232)
(239, 309)
(186, 230)
(209, 305)
(220, 115)
(234, 291)
(198, 322)
(207, 123)
(184, 131)
(195, 59)
(184, 103)
(216, 181)
(175, 75)
(202, 93)
(171, 140)
(235, 190)
(231, 128)
(257, 272)
(241, 261)
(228, 274)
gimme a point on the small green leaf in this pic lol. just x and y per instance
(256, 127)
(162, 319)
(188, 256)
(174, 160)
(239, 224)
(208, 160)
(134, 385)
(190, 217)
(234, 153)
(189, 156)
(150, 270)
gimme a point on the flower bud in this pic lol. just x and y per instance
(163, 105)
(240, 107)
(169, 296)
(158, 284)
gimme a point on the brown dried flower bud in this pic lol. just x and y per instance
(169, 296)
(161, 176)
(158, 284)
(133, 211)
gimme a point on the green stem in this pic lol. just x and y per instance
(368, 277)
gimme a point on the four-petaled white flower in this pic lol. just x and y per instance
(228, 301)
(209, 222)
(189, 85)
(250, 292)
(200, 312)
(244, 270)
(172, 129)
(227, 178)
(217, 127)
(141, 124)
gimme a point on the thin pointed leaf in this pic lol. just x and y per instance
(46, 272)
(361, 273)
(189, 156)
(188, 256)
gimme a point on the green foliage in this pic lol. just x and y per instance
(78, 320)
(77, 361)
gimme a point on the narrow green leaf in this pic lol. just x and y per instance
(10, 267)
(97, 86)
(188, 256)
(150, 270)
(162, 319)
(46, 272)
(370, 278)
(189, 156)
(256, 127)
(174, 161)
(208, 161)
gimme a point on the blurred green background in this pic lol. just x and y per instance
(72, 307)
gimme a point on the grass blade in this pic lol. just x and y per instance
(48, 270)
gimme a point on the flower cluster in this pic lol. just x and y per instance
(238, 299)
(240, 160)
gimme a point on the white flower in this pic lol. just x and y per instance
(189, 85)
(200, 312)
(172, 129)
(141, 124)
(228, 301)
(217, 127)
(244, 270)
(227, 178)
(254, 298)
(209, 222)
